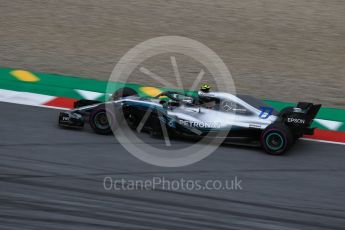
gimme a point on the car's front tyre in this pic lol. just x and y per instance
(101, 121)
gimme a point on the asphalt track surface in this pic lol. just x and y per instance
(53, 178)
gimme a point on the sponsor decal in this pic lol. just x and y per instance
(203, 94)
(200, 124)
(65, 118)
(171, 122)
(296, 120)
(255, 126)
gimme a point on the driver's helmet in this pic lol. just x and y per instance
(205, 88)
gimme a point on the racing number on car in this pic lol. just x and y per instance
(266, 112)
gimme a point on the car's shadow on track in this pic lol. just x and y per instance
(177, 141)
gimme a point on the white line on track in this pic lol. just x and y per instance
(18, 97)
(323, 141)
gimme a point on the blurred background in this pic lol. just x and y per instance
(289, 50)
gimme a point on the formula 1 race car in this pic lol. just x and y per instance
(248, 120)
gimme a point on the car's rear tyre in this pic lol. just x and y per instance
(276, 139)
(123, 92)
(101, 121)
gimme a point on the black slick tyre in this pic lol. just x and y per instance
(99, 121)
(276, 139)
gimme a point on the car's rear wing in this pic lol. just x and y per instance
(310, 110)
(300, 118)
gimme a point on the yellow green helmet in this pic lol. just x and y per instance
(205, 88)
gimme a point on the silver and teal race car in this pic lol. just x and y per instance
(239, 119)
